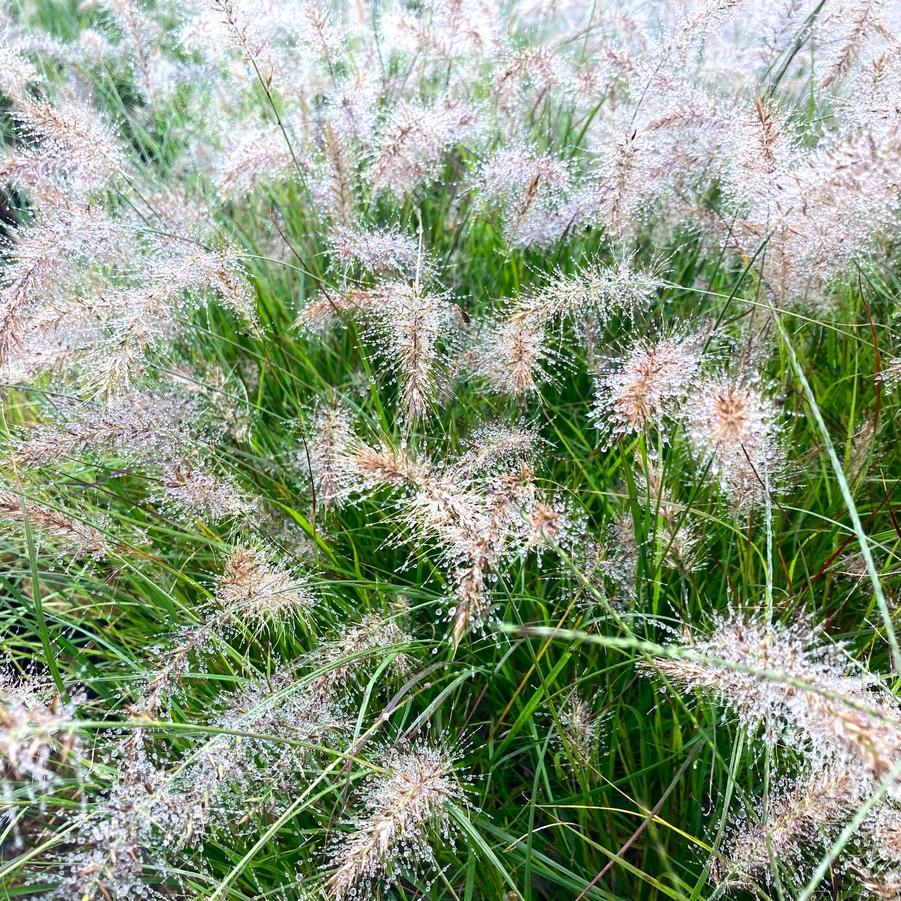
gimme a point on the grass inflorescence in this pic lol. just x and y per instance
(449, 450)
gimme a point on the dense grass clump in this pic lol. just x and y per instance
(448, 450)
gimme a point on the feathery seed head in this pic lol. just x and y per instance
(800, 819)
(380, 467)
(496, 446)
(401, 810)
(646, 384)
(513, 355)
(411, 329)
(786, 678)
(891, 375)
(327, 453)
(579, 724)
(552, 524)
(880, 844)
(528, 68)
(381, 251)
(37, 732)
(272, 729)
(47, 266)
(414, 139)
(190, 488)
(260, 155)
(734, 426)
(75, 537)
(169, 662)
(76, 134)
(415, 324)
(528, 189)
(675, 532)
(343, 658)
(16, 73)
(139, 822)
(254, 586)
(598, 292)
(621, 551)
(151, 427)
